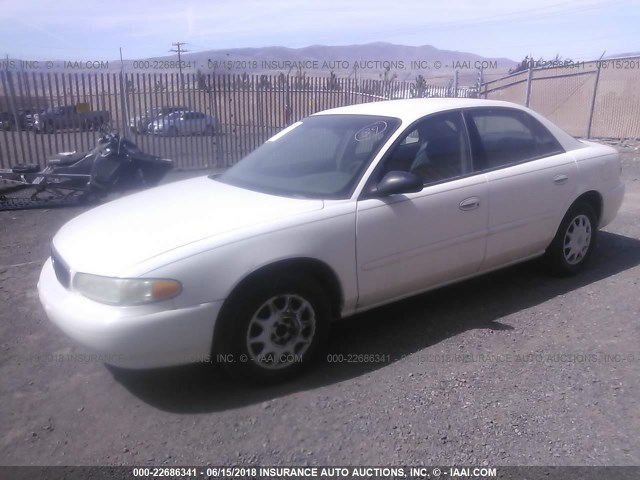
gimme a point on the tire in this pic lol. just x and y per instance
(575, 239)
(300, 312)
(50, 127)
(209, 130)
(172, 132)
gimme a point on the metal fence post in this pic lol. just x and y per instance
(479, 88)
(287, 106)
(529, 77)
(12, 99)
(124, 98)
(124, 114)
(217, 113)
(16, 130)
(593, 100)
(455, 84)
(5, 78)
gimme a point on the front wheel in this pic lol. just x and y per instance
(273, 329)
(574, 241)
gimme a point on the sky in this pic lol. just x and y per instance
(82, 30)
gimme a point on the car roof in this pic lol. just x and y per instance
(410, 110)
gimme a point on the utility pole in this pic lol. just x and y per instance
(179, 50)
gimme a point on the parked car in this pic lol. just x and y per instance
(70, 116)
(6, 121)
(339, 213)
(140, 124)
(184, 123)
(27, 117)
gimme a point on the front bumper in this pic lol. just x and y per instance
(149, 336)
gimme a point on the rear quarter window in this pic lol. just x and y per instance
(504, 137)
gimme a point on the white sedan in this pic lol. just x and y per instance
(346, 210)
(183, 123)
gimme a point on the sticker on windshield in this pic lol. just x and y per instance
(365, 133)
(284, 132)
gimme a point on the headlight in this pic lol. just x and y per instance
(125, 291)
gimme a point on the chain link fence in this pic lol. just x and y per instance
(597, 99)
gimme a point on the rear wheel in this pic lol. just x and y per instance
(574, 240)
(209, 130)
(173, 132)
(273, 329)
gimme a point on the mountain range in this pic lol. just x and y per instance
(369, 61)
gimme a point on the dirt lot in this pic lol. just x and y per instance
(516, 368)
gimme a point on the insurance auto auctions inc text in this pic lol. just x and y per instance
(374, 472)
(350, 65)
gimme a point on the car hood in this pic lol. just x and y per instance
(115, 237)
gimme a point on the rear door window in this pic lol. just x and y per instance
(504, 136)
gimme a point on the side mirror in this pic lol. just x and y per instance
(398, 182)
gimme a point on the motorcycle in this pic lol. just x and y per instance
(114, 165)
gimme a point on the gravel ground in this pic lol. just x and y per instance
(515, 368)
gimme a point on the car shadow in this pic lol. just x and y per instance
(396, 330)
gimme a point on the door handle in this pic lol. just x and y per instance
(469, 203)
(560, 179)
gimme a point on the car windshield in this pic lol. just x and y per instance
(321, 156)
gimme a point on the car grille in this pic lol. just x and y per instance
(61, 269)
